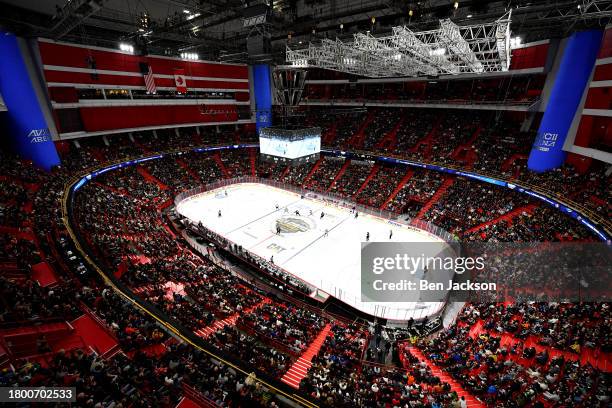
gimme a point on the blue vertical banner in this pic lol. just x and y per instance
(572, 77)
(263, 96)
(27, 127)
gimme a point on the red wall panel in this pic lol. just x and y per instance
(104, 79)
(594, 131)
(606, 45)
(603, 72)
(72, 56)
(529, 57)
(64, 94)
(241, 96)
(583, 133)
(125, 117)
(580, 163)
(101, 79)
(599, 98)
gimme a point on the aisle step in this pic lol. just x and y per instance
(472, 402)
(440, 192)
(300, 368)
(373, 173)
(340, 173)
(150, 178)
(228, 321)
(398, 188)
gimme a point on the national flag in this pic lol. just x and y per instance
(147, 73)
(180, 81)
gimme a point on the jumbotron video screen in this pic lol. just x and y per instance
(290, 143)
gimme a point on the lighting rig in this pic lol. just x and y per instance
(449, 49)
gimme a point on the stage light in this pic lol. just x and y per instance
(456, 5)
(515, 42)
(126, 47)
(189, 55)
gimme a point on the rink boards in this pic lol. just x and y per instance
(329, 261)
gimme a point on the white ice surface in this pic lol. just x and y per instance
(331, 263)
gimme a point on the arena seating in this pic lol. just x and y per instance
(540, 354)
(525, 89)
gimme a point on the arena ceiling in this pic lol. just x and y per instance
(229, 29)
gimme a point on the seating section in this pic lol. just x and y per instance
(353, 177)
(381, 186)
(538, 354)
(479, 140)
(322, 178)
(487, 353)
(523, 90)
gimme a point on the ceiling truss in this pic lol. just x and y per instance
(450, 49)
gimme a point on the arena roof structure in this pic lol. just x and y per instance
(260, 30)
(449, 49)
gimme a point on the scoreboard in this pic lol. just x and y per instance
(290, 144)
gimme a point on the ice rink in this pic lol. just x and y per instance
(329, 261)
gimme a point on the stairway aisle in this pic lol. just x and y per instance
(472, 402)
(300, 368)
(440, 192)
(150, 178)
(228, 321)
(398, 188)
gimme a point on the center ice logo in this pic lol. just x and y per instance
(292, 224)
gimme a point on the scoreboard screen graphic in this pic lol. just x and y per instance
(290, 143)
